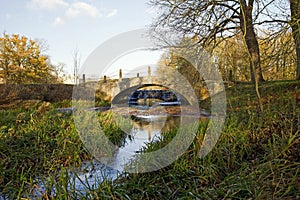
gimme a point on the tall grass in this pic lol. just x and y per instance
(256, 157)
(35, 143)
(40, 144)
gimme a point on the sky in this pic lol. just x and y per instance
(67, 25)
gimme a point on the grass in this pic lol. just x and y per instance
(36, 142)
(256, 157)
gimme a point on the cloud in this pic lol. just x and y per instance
(46, 4)
(82, 9)
(112, 13)
(70, 10)
(58, 21)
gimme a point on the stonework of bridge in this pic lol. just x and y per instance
(118, 90)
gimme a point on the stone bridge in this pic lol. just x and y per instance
(118, 90)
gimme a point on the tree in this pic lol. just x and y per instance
(192, 64)
(5, 62)
(213, 19)
(278, 55)
(247, 27)
(280, 16)
(59, 73)
(21, 61)
(295, 25)
(173, 61)
(233, 59)
(76, 63)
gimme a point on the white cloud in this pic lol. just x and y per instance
(112, 13)
(72, 10)
(82, 9)
(58, 21)
(46, 4)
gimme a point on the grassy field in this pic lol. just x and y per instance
(256, 157)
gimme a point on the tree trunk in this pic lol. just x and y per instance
(252, 45)
(295, 25)
(298, 60)
(251, 40)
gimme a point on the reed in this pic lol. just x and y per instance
(256, 157)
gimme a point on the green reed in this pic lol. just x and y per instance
(256, 156)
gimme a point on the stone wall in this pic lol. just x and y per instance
(45, 92)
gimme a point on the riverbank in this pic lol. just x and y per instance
(257, 155)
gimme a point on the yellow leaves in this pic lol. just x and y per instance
(21, 58)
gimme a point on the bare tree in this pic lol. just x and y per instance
(282, 16)
(76, 65)
(59, 73)
(44, 46)
(214, 19)
(295, 25)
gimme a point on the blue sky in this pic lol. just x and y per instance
(70, 24)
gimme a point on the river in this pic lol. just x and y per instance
(145, 128)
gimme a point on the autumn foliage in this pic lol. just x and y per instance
(22, 61)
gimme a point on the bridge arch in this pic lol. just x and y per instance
(122, 98)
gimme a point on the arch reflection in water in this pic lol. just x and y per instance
(153, 128)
